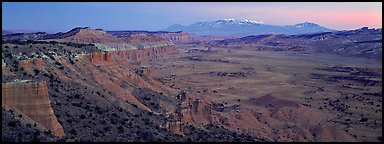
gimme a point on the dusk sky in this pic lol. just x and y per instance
(63, 16)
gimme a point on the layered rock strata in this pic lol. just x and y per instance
(32, 102)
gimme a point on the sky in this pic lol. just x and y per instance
(63, 16)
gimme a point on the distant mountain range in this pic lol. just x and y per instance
(232, 27)
(4, 32)
(362, 42)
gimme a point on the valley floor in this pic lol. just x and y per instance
(294, 97)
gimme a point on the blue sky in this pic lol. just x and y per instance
(63, 16)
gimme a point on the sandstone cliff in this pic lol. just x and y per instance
(134, 54)
(32, 102)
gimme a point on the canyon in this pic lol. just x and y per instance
(96, 85)
(97, 79)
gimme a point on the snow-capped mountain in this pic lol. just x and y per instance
(306, 24)
(233, 21)
(232, 27)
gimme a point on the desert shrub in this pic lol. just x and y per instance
(103, 122)
(95, 134)
(47, 132)
(122, 122)
(72, 61)
(73, 132)
(113, 121)
(12, 124)
(87, 107)
(77, 96)
(121, 129)
(99, 110)
(114, 114)
(363, 119)
(36, 71)
(107, 128)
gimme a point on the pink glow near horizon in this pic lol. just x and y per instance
(339, 19)
(159, 15)
(340, 16)
(335, 19)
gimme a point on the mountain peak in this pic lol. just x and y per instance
(234, 21)
(231, 19)
(252, 21)
(306, 24)
(225, 20)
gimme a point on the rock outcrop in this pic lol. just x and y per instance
(3, 64)
(201, 113)
(32, 102)
(26, 66)
(84, 36)
(175, 127)
(135, 54)
(193, 110)
(5, 70)
(101, 57)
(186, 116)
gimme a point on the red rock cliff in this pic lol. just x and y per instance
(135, 54)
(32, 101)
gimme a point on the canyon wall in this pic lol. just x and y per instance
(31, 100)
(134, 54)
(109, 68)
